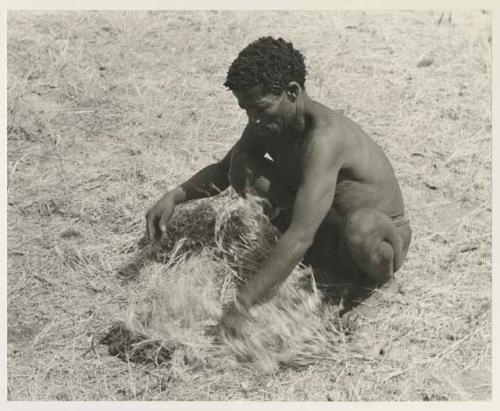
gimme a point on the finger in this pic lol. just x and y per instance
(157, 230)
(211, 331)
(231, 333)
(214, 331)
(148, 228)
(163, 224)
(151, 224)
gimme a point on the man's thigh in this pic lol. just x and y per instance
(363, 232)
(326, 251)
(332, 244)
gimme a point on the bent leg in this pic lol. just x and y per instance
(374, 245)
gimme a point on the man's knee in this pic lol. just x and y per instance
(371, 240)
(364, 236)
(360, 229)
(246, 172)
(382, 262)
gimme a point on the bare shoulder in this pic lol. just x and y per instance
(335, 123)
(328, 134)
(343, 135)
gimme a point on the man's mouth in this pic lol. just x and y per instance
(266, 129)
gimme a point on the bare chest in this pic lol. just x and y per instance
(289, 163)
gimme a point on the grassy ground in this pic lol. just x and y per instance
(106, 110)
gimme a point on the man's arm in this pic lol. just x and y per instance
(312, 203)
(207, 182)
(216, 177)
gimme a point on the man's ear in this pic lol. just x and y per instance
(292, 90)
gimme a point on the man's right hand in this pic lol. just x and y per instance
(158, 216)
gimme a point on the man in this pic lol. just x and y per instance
(326, 175)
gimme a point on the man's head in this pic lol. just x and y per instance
(269, 63)
(267, 78)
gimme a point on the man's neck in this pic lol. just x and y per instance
(299, 125)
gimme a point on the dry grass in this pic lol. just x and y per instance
(185, 294)
(106, 110)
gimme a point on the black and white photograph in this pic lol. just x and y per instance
(250, 205)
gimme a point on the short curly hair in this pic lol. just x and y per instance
(268, 62)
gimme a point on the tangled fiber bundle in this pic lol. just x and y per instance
(185, 294)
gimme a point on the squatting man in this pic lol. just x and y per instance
(318, 171)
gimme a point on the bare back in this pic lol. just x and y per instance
(365, 178)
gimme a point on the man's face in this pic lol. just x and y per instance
(268, 114)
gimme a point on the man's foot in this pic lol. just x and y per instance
(378, 298)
